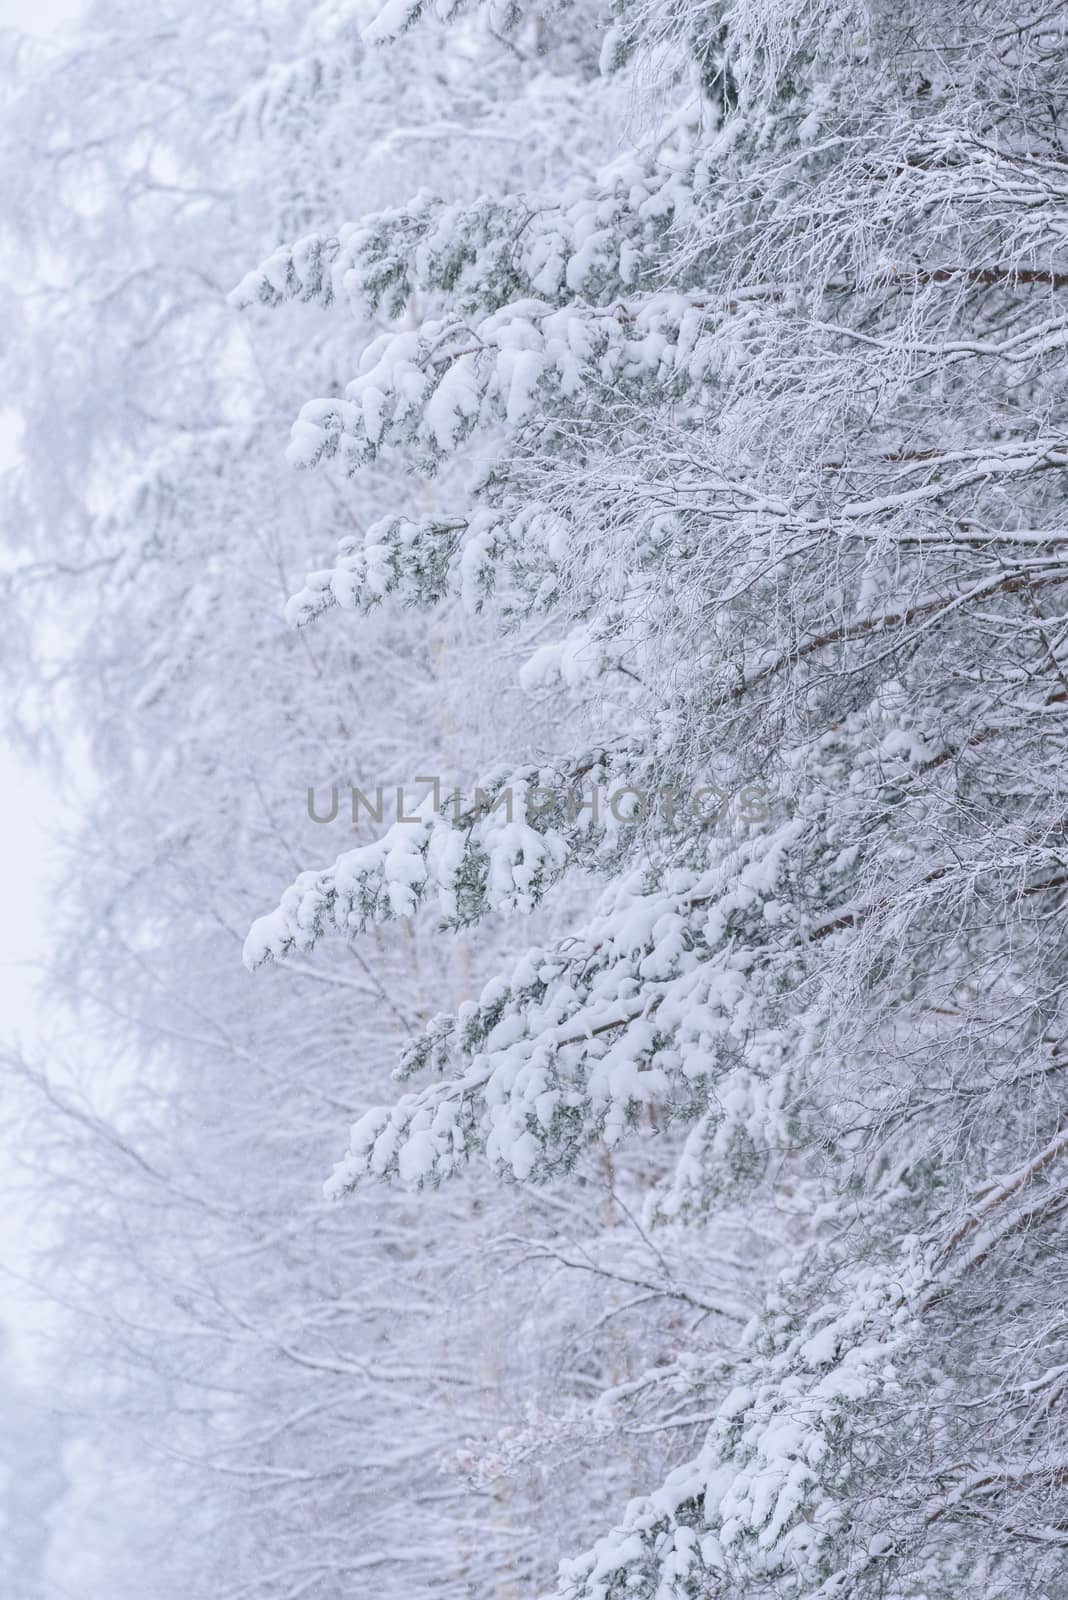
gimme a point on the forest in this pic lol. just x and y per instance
(537, 559)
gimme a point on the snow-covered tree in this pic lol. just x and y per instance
(264, 1400)
(692, 417)
(764, 423)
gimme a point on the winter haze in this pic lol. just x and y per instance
(534, 833)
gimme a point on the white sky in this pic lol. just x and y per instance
(24, 798)
(24, 834)
(37, 16)
(24, 820)
(28, 813)
(24, 807)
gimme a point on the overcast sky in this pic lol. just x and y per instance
(24, 798)
(25, 811)
(36, 16)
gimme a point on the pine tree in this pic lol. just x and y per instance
(765, 420)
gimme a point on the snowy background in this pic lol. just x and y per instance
(632, 437)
